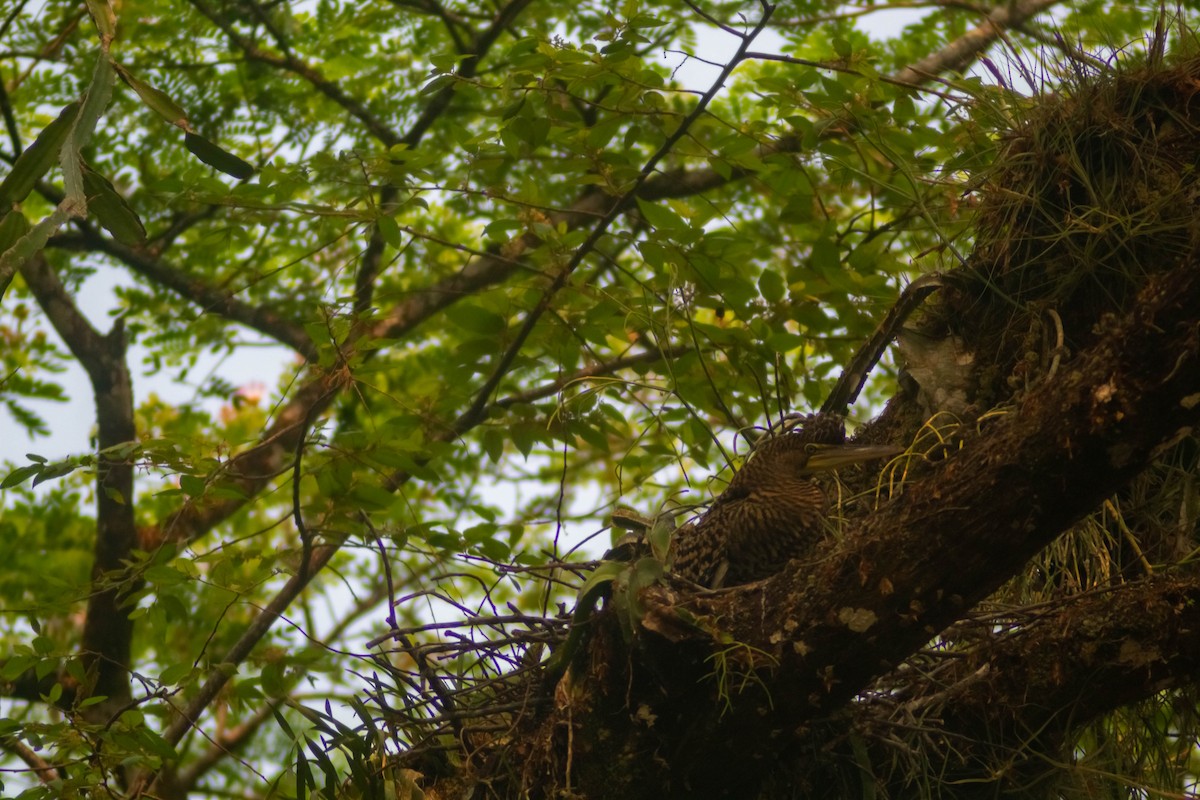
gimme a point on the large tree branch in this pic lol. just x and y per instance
(1052, 673)
(594, 371)
(959, 54)
(108, 631)
(729, 677)
(916, 565)
(996, 705)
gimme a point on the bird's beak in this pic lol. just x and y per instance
(823, 457)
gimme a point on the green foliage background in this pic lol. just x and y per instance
(456, 222)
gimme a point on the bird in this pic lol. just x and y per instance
(771, 511)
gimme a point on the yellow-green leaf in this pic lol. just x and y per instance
(111, 210)
(12, 227)
(159, 101)
(104, 17)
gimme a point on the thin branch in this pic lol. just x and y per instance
(8, 21)
(489, 269)
(229, 743)
(481, 271)
(219, 675)
(1086, 656)
(711, 20)
(955, 56)
(594, 371)
(10, 122)
(450, 21)
(250, 471)
(306, 536)
(208, 298)
(368, 268)
(377, 127)
(958, 55)
(834, 66)
(467, 68)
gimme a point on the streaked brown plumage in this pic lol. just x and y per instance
(771, 511)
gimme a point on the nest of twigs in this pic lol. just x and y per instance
(1093, 188)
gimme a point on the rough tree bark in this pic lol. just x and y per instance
(800, 646)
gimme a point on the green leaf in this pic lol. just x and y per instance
(36, 160)
(825, 257)
(192, 485)
(99, 94)
(15, 666)
(156, 744)
(772, 286)
(660, 216)
(20, 475)
(493, 444)
(216, 157)
(389, 231)
(12, 227)
(111, 210)
(175, 673)
(283, 723)
(157, 100)
(371, 497)
(103, 16)
(474, 319)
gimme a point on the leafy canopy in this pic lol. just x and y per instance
(497, 268)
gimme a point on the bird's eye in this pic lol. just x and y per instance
(809, 449)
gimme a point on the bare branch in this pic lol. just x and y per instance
(958, 55)
(207, 298)
(594, 371)
(44, 770)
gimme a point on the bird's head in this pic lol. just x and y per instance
(798, 455)
(813, 457)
